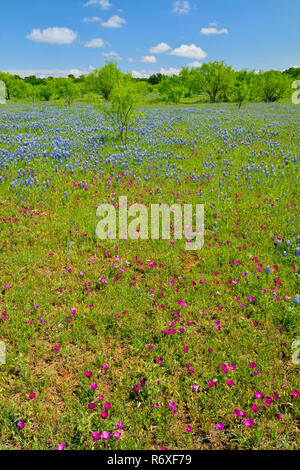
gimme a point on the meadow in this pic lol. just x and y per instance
(124, 344)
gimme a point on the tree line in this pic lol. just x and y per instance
(213, 82)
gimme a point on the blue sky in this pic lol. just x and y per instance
(146, 36)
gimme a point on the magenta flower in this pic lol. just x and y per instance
(117, 434)
(268, 401)
(220, 426)
(94, 386)
(248, 422)
(188, 428)
(32, 396)
(96, 436)
(21, 425)
(88, 373)
(171, 405)
(105, 435)
(230, 383)
(104, 414)
(61, 446)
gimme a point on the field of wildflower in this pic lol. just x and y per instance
(124, 344)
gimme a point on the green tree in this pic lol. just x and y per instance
(293, 72)
(272, 85)
(171, 89)
(8, 79)
(32, 92)
(107, 79)
(67, 90)
(45, 92)
(155, 79)
(217, 80)
(191, 80)
(249, 78)
(121, 111)
(241, 93)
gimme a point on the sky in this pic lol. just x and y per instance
(58, 37)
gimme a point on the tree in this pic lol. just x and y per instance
(7, 79)
(122, 109)
(107, 79)
(249, 78)
(34, 80)
(293, 72)
(218, 79)
(32, 91)
(155, 79)
(190, 79)
(45, 92)
(272, 85)
(171, 89)
(66, 90)
(241, 93)
(2, 92)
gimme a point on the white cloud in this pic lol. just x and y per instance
(151, 59)
(53, 35)
(97, 43)
(112, 55)
(160, 48)
(93, 19)
(44, 73)
(114, 21)
(191, 51)
(208, 31)
(130, 59)
(103, 4)
(195, 64)
(181, 7)
(147, 73)
(140, 74)
(169, 71)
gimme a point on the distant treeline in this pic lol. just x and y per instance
(213, 81)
